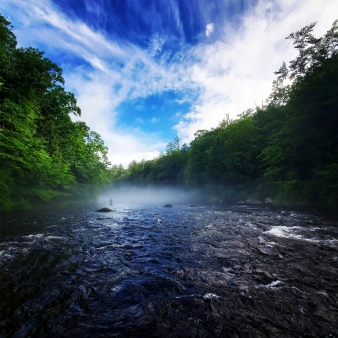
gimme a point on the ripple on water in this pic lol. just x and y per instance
(196, 273)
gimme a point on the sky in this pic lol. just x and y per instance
(144, 71)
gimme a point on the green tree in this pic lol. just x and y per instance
(43, 153)
(304, 149)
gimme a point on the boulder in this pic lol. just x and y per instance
(104, 210)
(167, 206)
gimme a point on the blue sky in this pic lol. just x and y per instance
(146, 70)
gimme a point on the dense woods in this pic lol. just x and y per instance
(286, 150)
(44, 155)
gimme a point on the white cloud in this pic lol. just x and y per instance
(154, 120)
(209, 29)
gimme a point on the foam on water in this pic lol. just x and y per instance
(34, 236)
(284, 231)
(301, 233)
(271, 285)
(53, 237)
(210, 296)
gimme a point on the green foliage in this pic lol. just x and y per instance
(313, 52)
(43, 153)
(166, 169)
(307, 140)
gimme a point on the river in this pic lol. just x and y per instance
(185, 271)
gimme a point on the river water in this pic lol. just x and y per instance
(202, 271)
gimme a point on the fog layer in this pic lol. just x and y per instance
(149, 196)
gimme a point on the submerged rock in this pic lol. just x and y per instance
(167, 206)
(104, 210)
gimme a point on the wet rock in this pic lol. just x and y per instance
(104, 210)
(268, 201)
(167, 206)
(192, 205)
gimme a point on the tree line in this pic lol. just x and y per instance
(44, 155)
(286, 149)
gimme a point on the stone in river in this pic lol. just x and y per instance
(104, 210)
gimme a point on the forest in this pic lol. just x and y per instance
(286, 150)
(44, 155)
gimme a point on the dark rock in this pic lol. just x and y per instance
(104, 210)
(192, 205)
(167, 206)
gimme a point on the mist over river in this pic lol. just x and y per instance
(149, 271)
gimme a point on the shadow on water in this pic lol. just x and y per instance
(170, 272)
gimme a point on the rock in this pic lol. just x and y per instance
(104, 210)
(268, 201)
(192, 205)
(249, 201)
(167, 206)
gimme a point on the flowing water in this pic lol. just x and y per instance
(170, 272)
